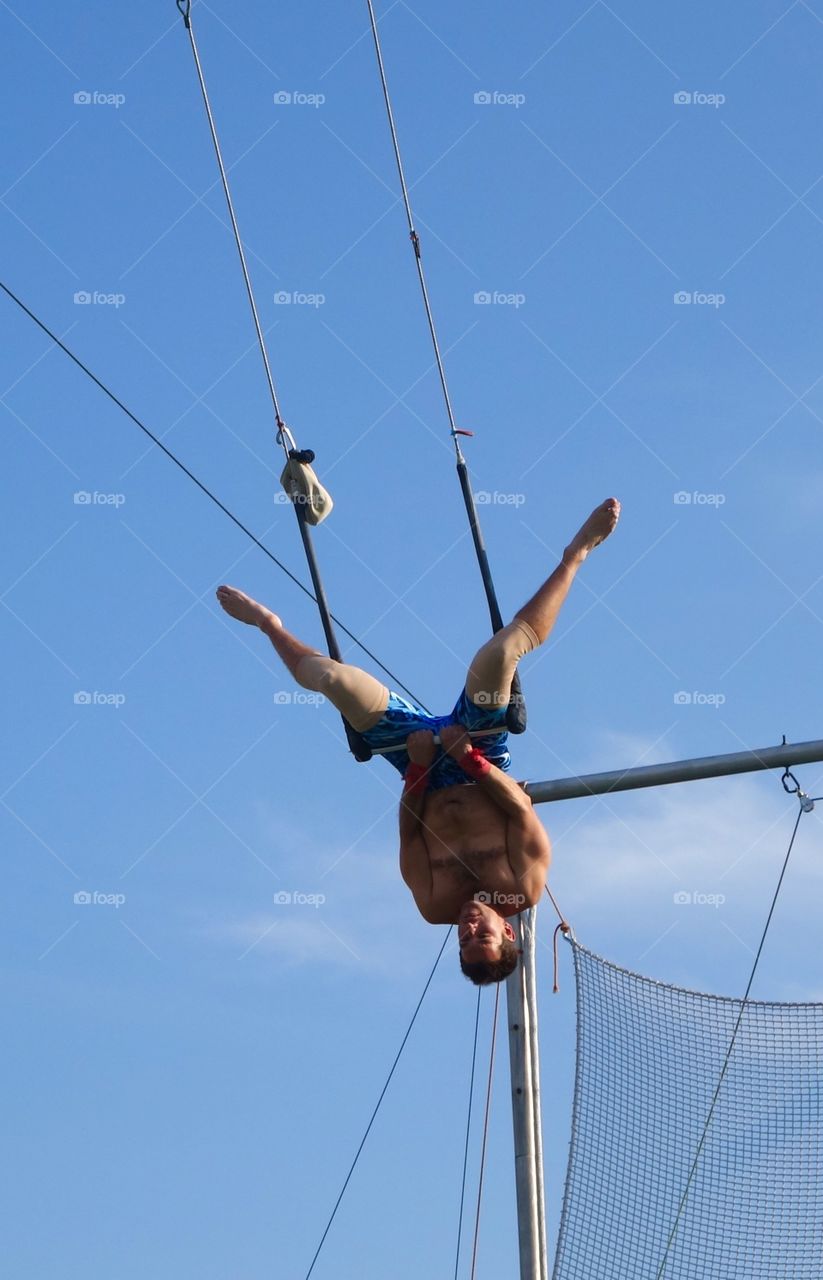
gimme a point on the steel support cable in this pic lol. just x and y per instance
(485, 1129)
(743, 1004)
(204, 488)
(185, 10)
(377, 1106)
(516, 715)
(468, 1134)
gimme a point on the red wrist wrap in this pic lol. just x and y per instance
(475, 764)
(416, 780)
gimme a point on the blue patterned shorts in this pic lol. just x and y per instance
(402, 717)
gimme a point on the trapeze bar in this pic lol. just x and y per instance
(658, 775)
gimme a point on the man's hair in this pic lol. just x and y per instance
(485, 971)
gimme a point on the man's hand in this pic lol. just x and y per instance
(421, 747)
(455, 740)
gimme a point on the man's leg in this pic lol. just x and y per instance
(492, 668)
(360, 698)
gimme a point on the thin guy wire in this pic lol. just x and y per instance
(379, 1100)
(58, 342)
(413, 234)
(485, 1129)
(729, 1051)
(468, 1132)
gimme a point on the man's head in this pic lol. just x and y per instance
(487, 947)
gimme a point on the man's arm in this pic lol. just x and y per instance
(507, 794)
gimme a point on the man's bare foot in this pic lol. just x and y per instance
(596, 529)
(240, 606)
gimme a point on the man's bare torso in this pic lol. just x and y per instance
(473, 848)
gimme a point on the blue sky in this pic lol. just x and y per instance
(191, 1067)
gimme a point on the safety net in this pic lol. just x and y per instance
(696, 1135)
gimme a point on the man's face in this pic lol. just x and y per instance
(480, 932)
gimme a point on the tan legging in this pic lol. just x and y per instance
(362, 699)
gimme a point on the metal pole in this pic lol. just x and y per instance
(521, 1006)
(530, 972)
(657, 775)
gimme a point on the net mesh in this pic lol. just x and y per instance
(649, 1060)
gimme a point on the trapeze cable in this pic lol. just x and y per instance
(516, 713)
(729, 1051)
(468, 1134)
(379, 1100)
(415, 239)
(185, 9)
(209, 494)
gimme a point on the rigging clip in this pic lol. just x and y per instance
(806, 802)
(185, 10)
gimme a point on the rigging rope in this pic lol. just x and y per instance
(468, 1132)
(204, 488)
(727, 1059)
(516, 713)
(485, 1128)
(377, 1106)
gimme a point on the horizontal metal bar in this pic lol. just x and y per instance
(658, 775)
(400, 745)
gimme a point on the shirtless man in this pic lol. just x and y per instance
(472, 855)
